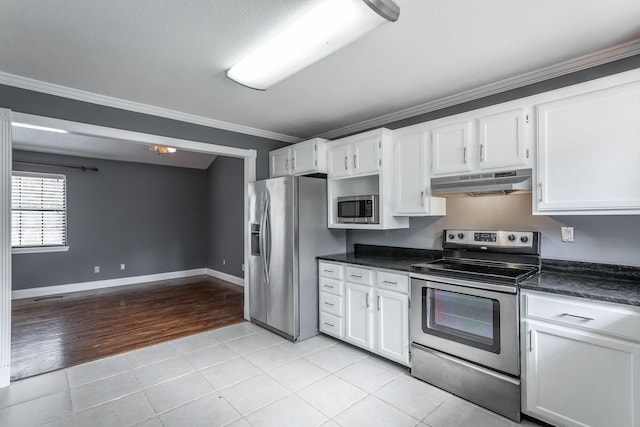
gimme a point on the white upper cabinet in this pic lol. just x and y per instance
(589, 153)
(488, 139)
(340, 159)
(357, 155)
(299, 159)
(502, 139)
(361, 165)
(279, 162)
(412, 184)
(451, 146)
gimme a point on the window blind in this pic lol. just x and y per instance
(38, 210)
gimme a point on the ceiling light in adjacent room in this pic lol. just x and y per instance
(36, 127)
(162, 149)
(324, 29)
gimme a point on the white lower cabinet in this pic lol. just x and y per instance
(575, 372)
(331, 299)
(374, 309)
(393, 316)
(358, 315)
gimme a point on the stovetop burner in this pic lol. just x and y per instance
(512, 273)
(507, 257)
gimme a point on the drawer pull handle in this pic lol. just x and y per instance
(329, 304)
(327, 271)
(389, 282)
(328, 324)
(575, 316)
(356, 276)
(328, 286)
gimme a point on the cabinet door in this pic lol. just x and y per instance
(501, 139)
(358, 315)
(393, 325)
(589, 152)
(410, 174)
(304, 157)
(451, 146)
(366, 156)
(280, 162)
(576, 378)
(340, 160)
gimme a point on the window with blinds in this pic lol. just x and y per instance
(38, 210)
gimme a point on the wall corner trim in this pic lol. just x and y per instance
(123, 104)
(225, 276)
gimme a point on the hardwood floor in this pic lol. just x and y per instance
(54, 333)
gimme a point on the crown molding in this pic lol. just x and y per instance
(123, 104)
(622, 51)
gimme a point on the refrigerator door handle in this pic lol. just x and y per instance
(267, 264)
(262, 237)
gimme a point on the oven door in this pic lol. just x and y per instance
(463, 320)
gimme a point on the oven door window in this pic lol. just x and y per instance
(467, 319)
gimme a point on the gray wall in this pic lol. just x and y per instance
(225, 213)
(151, 218)
(607, 239)
(26, 101)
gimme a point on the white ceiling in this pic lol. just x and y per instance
(103, 148)
(173, 54)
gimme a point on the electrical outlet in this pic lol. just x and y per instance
(567, 234)
(122, 266)
(224, 262)
(96, 269)
(242, 267)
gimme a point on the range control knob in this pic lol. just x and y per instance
(452, 236)
(460, 235)
(511, 237)
(524, 239)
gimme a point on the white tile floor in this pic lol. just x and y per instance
(238, 376)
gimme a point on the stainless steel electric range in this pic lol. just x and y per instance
(465, 316)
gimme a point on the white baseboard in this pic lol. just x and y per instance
(5, 376)
(98, 284)
(226, 277)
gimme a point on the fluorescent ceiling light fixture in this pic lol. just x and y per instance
(324, 29)
(36, 127)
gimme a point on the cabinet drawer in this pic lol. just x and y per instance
(331, 303)
(393, 282)
(358, 275)
(327, 269)
(331, 286)
(612, 319)
(331, 324)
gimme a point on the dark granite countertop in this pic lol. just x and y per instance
(391, 258)
(602, 282)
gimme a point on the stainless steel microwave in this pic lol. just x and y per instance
(358, 209)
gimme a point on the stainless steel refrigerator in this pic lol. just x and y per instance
(288, 223)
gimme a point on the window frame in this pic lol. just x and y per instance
(50, 248)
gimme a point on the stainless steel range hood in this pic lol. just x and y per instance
(482, 184)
